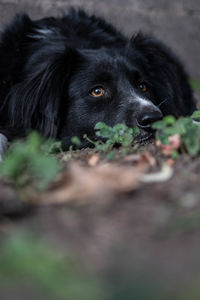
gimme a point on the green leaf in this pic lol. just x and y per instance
(34, 142)
(170, 120)
(100, 125)
(159, 124)
(175, 154)
(135, 131)
(76, 141)
(196, 115)
(195, 84)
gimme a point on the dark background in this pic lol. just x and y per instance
(177, 22)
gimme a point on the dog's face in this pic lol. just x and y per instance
(107, 86)
(62, 76)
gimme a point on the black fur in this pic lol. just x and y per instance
(49, 67)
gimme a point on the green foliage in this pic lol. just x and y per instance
(75, 143)
(27, 162)
(186, 127)
(196, 115)
(119, 134)
(108, 136)
(51, 147)
(195, 84)
(25, 260)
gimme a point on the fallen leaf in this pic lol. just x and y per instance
(163, 175)
(170, 162)
(131, 158)
(144, 157)
(82, 183)
(93, 160)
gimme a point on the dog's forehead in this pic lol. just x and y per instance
(110, 60)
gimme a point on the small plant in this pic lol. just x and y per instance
(75, 143)
(27, 162)
(185, 128)
(51, 147)
(108, 136)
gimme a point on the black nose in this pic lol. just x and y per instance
(145, 121)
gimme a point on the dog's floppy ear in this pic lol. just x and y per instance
(166, 73)
(36, 101)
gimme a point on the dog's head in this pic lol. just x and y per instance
(105, 85)
(67, 91)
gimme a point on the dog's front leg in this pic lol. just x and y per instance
(3, 145)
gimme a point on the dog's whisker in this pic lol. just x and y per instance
(165, 100)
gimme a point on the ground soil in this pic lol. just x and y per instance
(153, 229)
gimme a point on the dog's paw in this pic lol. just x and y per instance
(3, 145)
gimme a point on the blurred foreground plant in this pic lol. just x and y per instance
(29, 162)
(182, 134)
(27, 262)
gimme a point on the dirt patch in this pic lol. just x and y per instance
(149, 230)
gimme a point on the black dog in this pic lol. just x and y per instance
(61, 76)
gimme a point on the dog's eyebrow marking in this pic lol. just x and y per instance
(42, 33)
(3, 145)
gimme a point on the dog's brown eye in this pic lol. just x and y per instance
(143, 87)
(97, 92)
